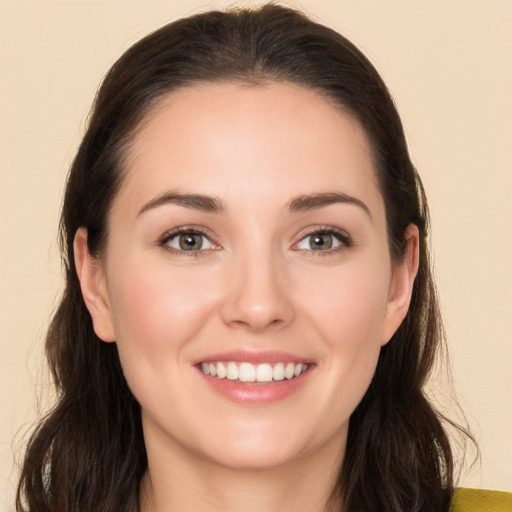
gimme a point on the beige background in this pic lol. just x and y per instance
(449, 67)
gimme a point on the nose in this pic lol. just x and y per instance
(258, 295)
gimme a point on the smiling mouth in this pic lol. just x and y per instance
(257, 373)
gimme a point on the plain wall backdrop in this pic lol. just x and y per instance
(448, 65)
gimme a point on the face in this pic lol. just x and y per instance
(247, 279)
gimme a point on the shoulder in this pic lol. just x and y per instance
(479, 500)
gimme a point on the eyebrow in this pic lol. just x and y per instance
(212, 204)
(209, 204)
(316, 201)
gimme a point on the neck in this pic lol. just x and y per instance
(182, 481)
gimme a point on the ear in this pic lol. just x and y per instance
(94, 287)
(401, 285)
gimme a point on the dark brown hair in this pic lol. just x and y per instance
(88, 453)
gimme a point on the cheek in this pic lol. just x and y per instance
(348, 304)
(349, 314)
(158, 314)
(155, 309)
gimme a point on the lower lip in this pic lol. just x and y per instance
(250, 393)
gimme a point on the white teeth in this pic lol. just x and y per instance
(232, 371)
(221, 371)
(264, 373)
(279, 371)
(290, 371)
(247, 372)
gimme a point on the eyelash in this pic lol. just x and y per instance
(184, 230)
(345, 241)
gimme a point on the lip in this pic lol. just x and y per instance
(253, 357)
(249, 393)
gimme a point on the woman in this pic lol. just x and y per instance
(249, 316)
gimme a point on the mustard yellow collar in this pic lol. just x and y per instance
(480, 500)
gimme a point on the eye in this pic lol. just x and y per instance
(187, 241)
(323, 241)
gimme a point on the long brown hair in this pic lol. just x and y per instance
(88, 453)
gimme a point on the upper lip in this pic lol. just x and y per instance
(254, 357)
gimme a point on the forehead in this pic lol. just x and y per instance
(237, 139)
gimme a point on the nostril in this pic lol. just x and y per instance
(256, 303)
(257, 325)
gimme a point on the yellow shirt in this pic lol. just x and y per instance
(479, 500)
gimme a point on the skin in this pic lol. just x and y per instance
(255, 285)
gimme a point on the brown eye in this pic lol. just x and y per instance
(323, 241)
(188, 241)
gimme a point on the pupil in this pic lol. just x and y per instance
(190, 241)
(322, 241)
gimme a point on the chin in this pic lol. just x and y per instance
(256, 446)
(253, 458)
